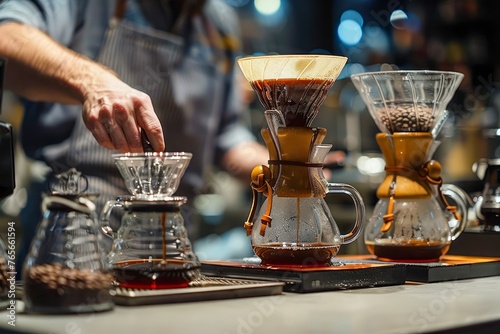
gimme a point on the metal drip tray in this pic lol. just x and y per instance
(202, 289)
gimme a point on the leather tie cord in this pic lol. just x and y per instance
(262, 186)
(426, 172)
(389, 216)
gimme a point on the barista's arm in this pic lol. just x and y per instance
(240, 160)
(41, 69)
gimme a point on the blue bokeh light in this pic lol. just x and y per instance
(352, 15)
(350, 32)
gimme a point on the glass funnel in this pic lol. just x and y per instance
(295, 85)
(408, 101)
(151, 248)
(152, 174)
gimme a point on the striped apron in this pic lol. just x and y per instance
(186, 90)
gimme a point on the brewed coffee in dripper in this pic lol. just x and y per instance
(151, 249)
(293, 227)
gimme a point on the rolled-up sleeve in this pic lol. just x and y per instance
(57, 18)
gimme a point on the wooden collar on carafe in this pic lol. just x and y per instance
(429, 172)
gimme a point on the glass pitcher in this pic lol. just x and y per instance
(413, 220)
(294, 225)
(303, 231)
(65, 271)
(151, 248)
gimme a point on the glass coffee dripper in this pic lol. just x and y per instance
(294, 225)
(412, 220)
(151, 248)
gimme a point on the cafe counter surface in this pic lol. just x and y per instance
(464, 306)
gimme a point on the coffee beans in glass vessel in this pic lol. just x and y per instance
(57, 288)
(407, 118)
(65, 270)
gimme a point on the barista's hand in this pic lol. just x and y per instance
(41, 69)
(115, 113)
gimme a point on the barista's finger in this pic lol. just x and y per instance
(149, 122)
(101, 136)
(128, 128)
(117, 137)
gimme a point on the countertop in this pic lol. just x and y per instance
(471, 305)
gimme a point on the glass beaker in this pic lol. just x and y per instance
(151, 249)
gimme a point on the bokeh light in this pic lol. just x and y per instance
(352, 15)
(238, 3)
(267, 7)
(350, 32)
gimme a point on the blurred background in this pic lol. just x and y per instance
(455, 35)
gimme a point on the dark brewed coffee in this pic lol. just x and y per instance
(298, 100)
(305, 255)
(155, 274)
(410, 251)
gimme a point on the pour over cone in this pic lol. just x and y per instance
(295, 85)
(408, 101)
(152, 174)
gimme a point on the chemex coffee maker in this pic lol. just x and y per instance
(294, 225)
(151, 248)
(413, 220)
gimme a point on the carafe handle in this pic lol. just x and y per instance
(104, 218)
(461, 199)
(343, 188)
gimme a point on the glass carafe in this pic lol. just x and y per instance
(294, 225)
(151, 248)
(65, 270)
(413, 220)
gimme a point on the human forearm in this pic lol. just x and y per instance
(40, 69)
(240, 160)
